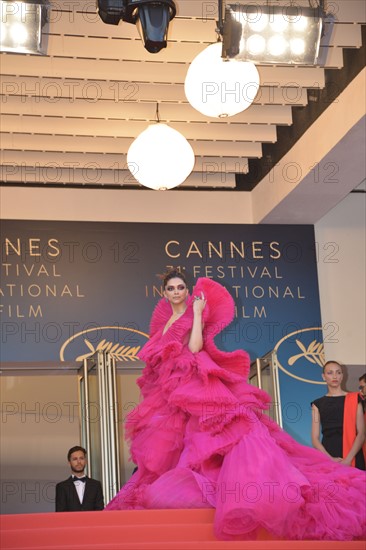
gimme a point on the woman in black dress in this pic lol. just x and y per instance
(338, 415)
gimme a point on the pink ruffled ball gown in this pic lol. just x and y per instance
(200, 439)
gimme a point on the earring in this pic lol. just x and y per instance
(166, 299)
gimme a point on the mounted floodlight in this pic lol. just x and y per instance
(151, 17)
(21, 26)
(272, 34)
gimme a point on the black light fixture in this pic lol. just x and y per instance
(152, 18)
(21, 26)
(288, 34)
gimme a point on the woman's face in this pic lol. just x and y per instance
(333, 375)
(176, 291)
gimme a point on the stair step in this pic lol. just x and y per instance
(137, 530)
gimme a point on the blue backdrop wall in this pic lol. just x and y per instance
(68, 288)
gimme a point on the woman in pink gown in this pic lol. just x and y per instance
(200, 438)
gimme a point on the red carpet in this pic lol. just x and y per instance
(135, 530)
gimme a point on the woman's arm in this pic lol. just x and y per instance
(315, 432)
(195, 343)
(360, 437)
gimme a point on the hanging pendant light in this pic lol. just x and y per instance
(160, 157)
(219, 88)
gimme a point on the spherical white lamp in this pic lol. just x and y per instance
(160, 157)
(219, 88)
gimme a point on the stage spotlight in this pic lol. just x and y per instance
(272, 34)
(21, 26)
(151, 17)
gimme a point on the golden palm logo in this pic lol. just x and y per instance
(308, 355)
(118, 350)
(313, 353)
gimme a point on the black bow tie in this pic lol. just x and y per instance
(83, 479)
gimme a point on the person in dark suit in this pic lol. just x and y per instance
(78, 493)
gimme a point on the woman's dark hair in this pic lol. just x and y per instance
(332, 362)
(172, 274)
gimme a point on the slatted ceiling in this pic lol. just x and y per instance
(268, 114)
(347, 35)
(88, 24)
(77, 46)
(55, 176)
(196, 33)
(185, 8)
(308, 77)
(197, 30)
(109, 161)
(344, 11)
(90, 176)
(91, 90)
(116, 145)
(330, 58)
(181, 46)
(97, 127)
(221, 164)
(60, 158)
(108, 49)
(98, 87)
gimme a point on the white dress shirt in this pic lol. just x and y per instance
(80, 488)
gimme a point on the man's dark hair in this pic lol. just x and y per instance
(74, 449)
(362, 378)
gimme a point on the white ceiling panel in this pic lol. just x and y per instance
(97, 89)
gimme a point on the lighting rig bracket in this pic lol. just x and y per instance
(152, 18)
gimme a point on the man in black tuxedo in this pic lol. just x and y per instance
(78, 493)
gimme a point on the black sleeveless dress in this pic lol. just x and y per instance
(331, 411)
